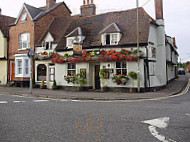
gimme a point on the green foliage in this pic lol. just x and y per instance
(54, 83)
(133, 75)
(120, 79)
(103, 73)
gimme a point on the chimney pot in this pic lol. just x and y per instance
(159, 9)
(92, 2)
(84, 2)
(50, 3)
(87, 2)
(0, 11)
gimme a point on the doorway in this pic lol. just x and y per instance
(97, 77)
(12, 71)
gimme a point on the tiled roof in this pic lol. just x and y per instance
(4, 24)
(37, 13)
(33, 10)
(126, 21)
(56, 28)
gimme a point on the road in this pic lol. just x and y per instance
(40, 120)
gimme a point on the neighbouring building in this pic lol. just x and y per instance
(5, 21)
(24, 34)
(105, 46)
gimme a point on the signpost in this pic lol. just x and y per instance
(30, 55)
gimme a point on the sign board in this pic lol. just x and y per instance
(77, 51)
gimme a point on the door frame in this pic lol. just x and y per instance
(94, 75)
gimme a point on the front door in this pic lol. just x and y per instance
(12, 71)
(97, 77)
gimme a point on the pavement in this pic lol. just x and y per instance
(174, 87)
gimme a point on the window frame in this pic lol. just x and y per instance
(24, 17)
(71, 69)
(19, 68)
(51, 74)
(26, 66)
(121, 68)
(113, 38)
(22, 41)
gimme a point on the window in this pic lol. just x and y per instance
(48, 45)
(24, 41)
(70, 42)
(110, 39)
(71, 69)
(41, 72)
(24, 17)
(114, 39)
(121, 68)
(19, 66)
(52, 74)
(26, 66)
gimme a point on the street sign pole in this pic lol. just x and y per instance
(138, 70)
(30, 67)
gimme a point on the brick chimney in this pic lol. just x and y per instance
(88, 8)
(159, 9)
(50, 3)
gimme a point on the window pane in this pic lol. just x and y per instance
(69, 66)
(124, 71)
(118, 71)
(123, 64)
(73, 66)
(118, 65)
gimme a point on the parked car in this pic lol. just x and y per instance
(181, 71)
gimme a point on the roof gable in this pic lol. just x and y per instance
(49, 37)
(112, 28)
(31, 11)
(75, 32)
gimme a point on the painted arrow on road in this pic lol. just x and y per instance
(161, 123)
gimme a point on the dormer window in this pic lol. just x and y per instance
(47, 45)
(111, 35)
(111, 39)
(75, 37)
(24, 17)
(48, 41)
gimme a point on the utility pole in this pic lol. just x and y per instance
(30, 55)
(138, 70)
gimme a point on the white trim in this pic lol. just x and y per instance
(18, 17)
(114, 24)
(79, 32)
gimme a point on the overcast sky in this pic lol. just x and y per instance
(176, 15)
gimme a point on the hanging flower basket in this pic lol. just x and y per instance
(120, 79)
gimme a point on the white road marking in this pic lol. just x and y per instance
(161, 123)
(36, 101)
(3, 102)
(19, 101)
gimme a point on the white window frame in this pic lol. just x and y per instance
(51, 74)
(19, 67)
(121, 67)
(26, 62)
(24, 17)
(23, 42)
(114, 38)
(22, 58)
(71, 69)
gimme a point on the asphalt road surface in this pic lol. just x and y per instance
(41, 120)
